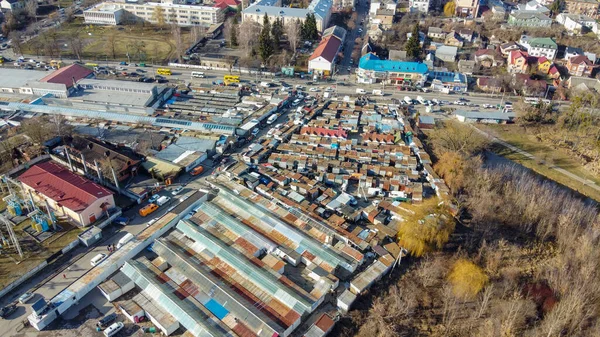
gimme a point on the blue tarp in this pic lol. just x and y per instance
(217, 309)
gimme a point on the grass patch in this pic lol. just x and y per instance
(546, 157)
(143, 43)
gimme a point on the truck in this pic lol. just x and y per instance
(360, 91)
(407, 100)
(445, 91)
(378, 92)
(265, 84)
(162, 200)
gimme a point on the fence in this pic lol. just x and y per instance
(23, 278)
(232, 69)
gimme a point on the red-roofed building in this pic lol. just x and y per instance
(580, 65)
(68, 194)
(322, 326)
(322, 60)
(518, 62)
(224, 4)
(324, 132)
(67, 76)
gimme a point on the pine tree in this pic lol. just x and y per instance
(276, 33)
(413, 46)
(233, 33)
(265, 42)
(312, 32)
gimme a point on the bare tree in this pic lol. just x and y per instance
(159, 16)
(17, 44)
(76, 43)
(292, 30)
(111, 45)
(176, 33)
(35, 129)
(31, 8)
(248, 35)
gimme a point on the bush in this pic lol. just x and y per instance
(467, 279)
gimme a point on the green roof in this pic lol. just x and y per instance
(543, 42)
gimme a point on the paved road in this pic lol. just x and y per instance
(573, 176)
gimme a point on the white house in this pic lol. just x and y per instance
(421, 6)
(322, 60)
(576, 22)
(12, 5)
(541, 46)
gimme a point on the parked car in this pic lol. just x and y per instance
(26, 297)
(8, 310)
(97, 259)
(153, 198)
(177, 190)
(106, 320)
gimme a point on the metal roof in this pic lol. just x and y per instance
(17, 78)
(372, 62)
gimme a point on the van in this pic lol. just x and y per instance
(124, 240)
(113, 329)
(360, 91)
(97, 259)
(148, 209)
(106, 320)
(197, 170)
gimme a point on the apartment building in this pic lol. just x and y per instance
(421, 6)
(585, 7)
(114, 13)
(320, 8)
(467, 8)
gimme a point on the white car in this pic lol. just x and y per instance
(177, 190)
(25, 297)
(329, 89)
(151, 222)
(153, 198)
(97, 259)
(313, 89)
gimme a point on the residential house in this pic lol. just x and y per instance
(13, 5)
(488, 58)
(577, 23)
(586, 7)
(80, 200)
(466, 67)
(506, 48)
(572, 51)
(543, 65)
(533, 6)
(436, 33)
(553, 72)
(540, 46)
(446, 53)
(580, 66)
(529, 19)
(467, 8)
(466, 34)
(576, 83)
(498, 9)
(529, 86)
(517, 62)
(419, 6)
(453, 39)
(375, 31)
(489, 84)
(385, 17)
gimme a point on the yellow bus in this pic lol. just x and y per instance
(91, 65)
(228, 79)
(58, 64)
(163, 71)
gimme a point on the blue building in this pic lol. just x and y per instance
(448, 81)
(371, 69)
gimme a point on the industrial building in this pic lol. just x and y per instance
(68, 194)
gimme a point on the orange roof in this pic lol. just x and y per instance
(327, 49)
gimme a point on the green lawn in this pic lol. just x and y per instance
(546, 158)
(155, 44)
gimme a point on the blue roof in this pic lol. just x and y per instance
(446, 76)
(372, 62)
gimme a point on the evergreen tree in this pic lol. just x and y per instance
(233, 33)
(309, 31)
(265, 42)
(413, 46)
(276, 33)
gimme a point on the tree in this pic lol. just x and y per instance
(176, 32)
(428, 228)
(17, 44)
(35, 129)
(456, 137)
(265, 42)
(413, 46)
(247, 33)
(292, 30)
(159, 16)
(276, 33)
(456, 169)
(76, 43)
(532, 115)
(107, 165)
(111, 44)
(31, 8)
(233, 34)
(467, 279)
(450, 8)
(556, 6)
(309, 28)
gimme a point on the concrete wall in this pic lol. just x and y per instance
(23, 278)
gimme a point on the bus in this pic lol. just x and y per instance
(163, 71)
(536, 101)
(197, 74)
(91, 65)
(228, 79)
(58, 64)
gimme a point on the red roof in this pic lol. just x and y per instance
(579, 59)
(228, 3)
(516, 54)
(325, 323)
(63, 186)
(327, 49)
(65, 75)
(323, 132)
(542, 59)
(553, 70)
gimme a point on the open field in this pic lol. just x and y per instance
(546, 158)
(142, 43)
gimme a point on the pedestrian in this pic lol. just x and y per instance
(108, 248)
(64, 276)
